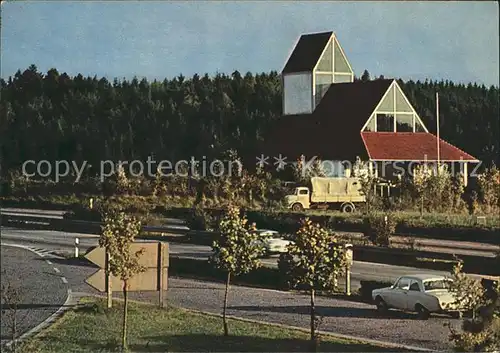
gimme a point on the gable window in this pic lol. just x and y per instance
(322, 84)
(394, 113)
(385, 123)
(341, 78)
(419, 127)
(326, 62)
(404, 122)
(370, 127)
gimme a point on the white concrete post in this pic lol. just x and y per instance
(76, 247)
(349, 262)
(465, 174)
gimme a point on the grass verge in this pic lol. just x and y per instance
(93, 328)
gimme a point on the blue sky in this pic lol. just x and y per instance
(418, 40)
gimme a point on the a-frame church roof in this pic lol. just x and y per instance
(307, 52)
(371, 120)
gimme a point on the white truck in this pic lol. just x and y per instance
(343, 193)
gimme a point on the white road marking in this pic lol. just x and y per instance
(64, 280)
(57, 270)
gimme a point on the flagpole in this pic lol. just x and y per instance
(437, 131)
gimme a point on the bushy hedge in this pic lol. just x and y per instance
(262, 277)
(199, 218)
(378, 229)
(288, 223)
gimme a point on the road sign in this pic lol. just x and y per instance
(148, 259)
(154, 258)
(146, 281)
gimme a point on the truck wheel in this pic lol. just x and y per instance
(347, 207)
(297, 207)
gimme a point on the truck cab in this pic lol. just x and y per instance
(300, 199)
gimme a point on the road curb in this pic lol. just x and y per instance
(296, 328)
(325, 333)
(68, 303)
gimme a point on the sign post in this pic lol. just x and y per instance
(349, 262)
(107, 281)
(161, 275)
(154, 258)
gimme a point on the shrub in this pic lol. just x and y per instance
(368, 184)
(472, 202)
(421, 175)
(481, 333)
(15, 183)
(378, 229)
(203, 219)
(140, 186)
(489, 186)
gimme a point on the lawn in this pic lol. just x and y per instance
(93, 328)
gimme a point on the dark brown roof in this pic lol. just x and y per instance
(307, 52)
(332, 131)
(411, 146)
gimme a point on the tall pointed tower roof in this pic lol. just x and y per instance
(316, 62)
(307, 52)
(317, 52)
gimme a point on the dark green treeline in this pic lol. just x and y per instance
(53, 116)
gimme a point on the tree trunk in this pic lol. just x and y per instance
(313, 322)
(422, 206)
(14, 330)
(226, 331)
(125, 309)
(215, 192)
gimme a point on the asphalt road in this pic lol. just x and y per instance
(419, 243)
(53, 240)
(39, 290)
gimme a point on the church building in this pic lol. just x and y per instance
(326, 114)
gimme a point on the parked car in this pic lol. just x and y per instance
(421, 293)
(273, 241)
